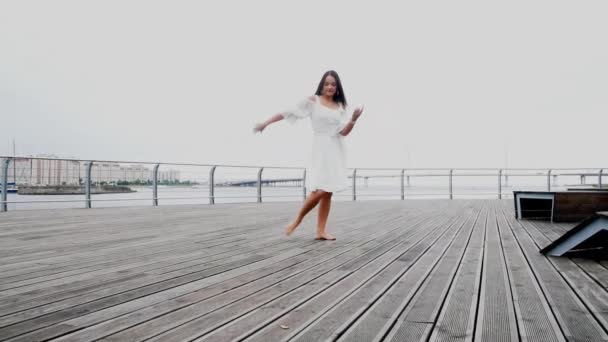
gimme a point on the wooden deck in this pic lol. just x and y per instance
(399, 271)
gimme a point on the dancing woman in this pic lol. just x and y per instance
(327, 110)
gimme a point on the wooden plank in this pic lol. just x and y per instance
(94, 231)
(496, 316)
(66, 258)
(548, 229)
(535, 319)
(575, 320)
(456, 321)
(308, 240)
(417, 297)
(102, 291)
(594, 270)
(274, 234)
(176, 252)
(80, 257)
(193, 288)
(188, 272)
(338, 304)
(591, 267)
(593, 295)
(181, 243)
(308, 282)
(71, 289)
(181, 269)
(141, 223)
(154, 306)
(103, 300)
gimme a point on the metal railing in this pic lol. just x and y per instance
(404, 175)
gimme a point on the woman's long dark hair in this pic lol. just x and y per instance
(339, 96)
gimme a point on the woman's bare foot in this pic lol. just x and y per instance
(324, 236)
(292, 226)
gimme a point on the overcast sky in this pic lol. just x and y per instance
(444, 83)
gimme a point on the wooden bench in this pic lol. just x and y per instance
(559, 206)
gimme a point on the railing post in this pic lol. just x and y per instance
(354, 184)
(402, 185)
(451, 176)
(549, 180)
(304, 184)
(4, 204)
(499, 184)
(155, 185)
(260, 185)
(582, 179)
(87, 186)
(599, 179)
(212, 185)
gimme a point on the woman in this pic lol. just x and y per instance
(330, 122)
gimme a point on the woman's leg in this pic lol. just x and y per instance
(311, 201)
(324, 207)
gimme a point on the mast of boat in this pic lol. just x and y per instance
(14, 164)
(506, 163)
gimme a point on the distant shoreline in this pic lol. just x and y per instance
(71, 189)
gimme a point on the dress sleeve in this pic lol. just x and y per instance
(301, 111)
(344, 120)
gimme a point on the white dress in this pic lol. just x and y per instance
(327, 167)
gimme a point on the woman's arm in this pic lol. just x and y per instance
(275, 118)
(351, 124)
(302, 110)
(349, 127)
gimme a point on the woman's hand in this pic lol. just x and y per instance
(357, 113)
(258, 128)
